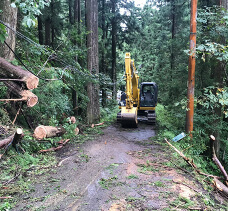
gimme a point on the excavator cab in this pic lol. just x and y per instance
(148, 94)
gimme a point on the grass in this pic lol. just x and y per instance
(132, 176)
(111, 167)
(146, 168)
(182, 202)
(107, 183)
(159, 184)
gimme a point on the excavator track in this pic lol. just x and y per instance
(151, 118)
(118, 118)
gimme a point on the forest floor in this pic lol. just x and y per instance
(122, 169)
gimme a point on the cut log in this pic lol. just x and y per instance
(76, 131)
(6, 141)
(221, 187)
(8, 70)
(42, 132)
(25, 95)
(13, 138)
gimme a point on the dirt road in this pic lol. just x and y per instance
(120, 170)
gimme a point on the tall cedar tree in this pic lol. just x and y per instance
(9, 16)
(93, 109)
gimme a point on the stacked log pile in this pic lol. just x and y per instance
(19, 82)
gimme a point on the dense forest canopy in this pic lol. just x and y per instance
(80, 47)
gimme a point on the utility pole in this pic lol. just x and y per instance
(191, 68)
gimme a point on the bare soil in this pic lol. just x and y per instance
(123, 169)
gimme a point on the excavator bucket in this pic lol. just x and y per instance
(129, 117)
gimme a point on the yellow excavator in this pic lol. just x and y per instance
(136, 104)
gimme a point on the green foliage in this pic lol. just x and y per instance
(214, 97)
(3, 33)
(6, 206)
(30, 8)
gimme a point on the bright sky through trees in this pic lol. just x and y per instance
(140, 3)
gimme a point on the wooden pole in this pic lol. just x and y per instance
(191, 68)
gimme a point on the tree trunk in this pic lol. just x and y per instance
(9, 16)
(47, 31)
(114, 32)
(42, 132)
(93, 110)
(77, 19)
(219, 74)
(103, 67)
(52, 25)
(77, 11)
(7, 70)
(40, 31)
(70, 11)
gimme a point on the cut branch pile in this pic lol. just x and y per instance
(19, 82)
(61, 144)
(217, 183)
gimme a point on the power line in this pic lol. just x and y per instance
(71, 67)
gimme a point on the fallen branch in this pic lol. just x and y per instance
(93, 125)
(61, 162)
(51, 149)
(6, 197)
(216, 160)
(62, 143)
(190, 162)
(15, 118)
(9, 181)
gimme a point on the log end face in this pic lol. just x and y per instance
(32, 82)
(212, 137)
(19, 131)
(32, 101)
(40, 133)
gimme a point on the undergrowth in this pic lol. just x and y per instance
(196, 149)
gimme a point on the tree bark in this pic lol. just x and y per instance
(40, 30)
(219, 74)
(93, 110)
(25, 95)
(42, 132)
(114, 32)
(9, 16)
(6, 141)
(48, 31)
(13, 138)
(7, 70)
(103, 66)
(70, 11)
(77, 11)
